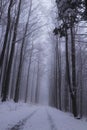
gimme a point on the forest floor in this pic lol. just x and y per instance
(20, 116)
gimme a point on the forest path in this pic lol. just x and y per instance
(39, 121)
(46, 118)
(51, 122)
(21, 123)
(21, 116)
(35, 120)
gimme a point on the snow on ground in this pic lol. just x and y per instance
(22, 116)
(11, 113)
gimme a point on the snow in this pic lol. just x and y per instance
(11, 113)
(21, 116)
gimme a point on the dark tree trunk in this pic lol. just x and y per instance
(28, 76)
(74, 108)
(74, 92)
(68, 79)
(6, 33)
(56, 74)
(6, 84)
(5, 61)
(59, 72)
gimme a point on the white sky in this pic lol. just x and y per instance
(46, 3)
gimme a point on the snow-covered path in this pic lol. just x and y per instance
(30, 117)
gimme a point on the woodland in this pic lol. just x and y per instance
(43, 53)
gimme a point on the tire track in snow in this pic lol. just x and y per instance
(20, 124)
(51, 121)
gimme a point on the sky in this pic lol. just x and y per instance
(47, 3)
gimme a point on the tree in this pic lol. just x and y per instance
(68, 12)
(6, 33)
(16, 97)
(5, 87)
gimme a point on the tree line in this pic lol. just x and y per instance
(22, 57)
(20, 25)
(70, 52)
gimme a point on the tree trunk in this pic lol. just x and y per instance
(27, 86)
(6, 84)
(6, 33)
(16, 97)
(73, 72)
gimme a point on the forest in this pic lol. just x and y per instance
(43, 54)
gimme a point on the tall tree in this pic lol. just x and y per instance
(68, 13)
(8, 73)
(6, 33)
(21, 56)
